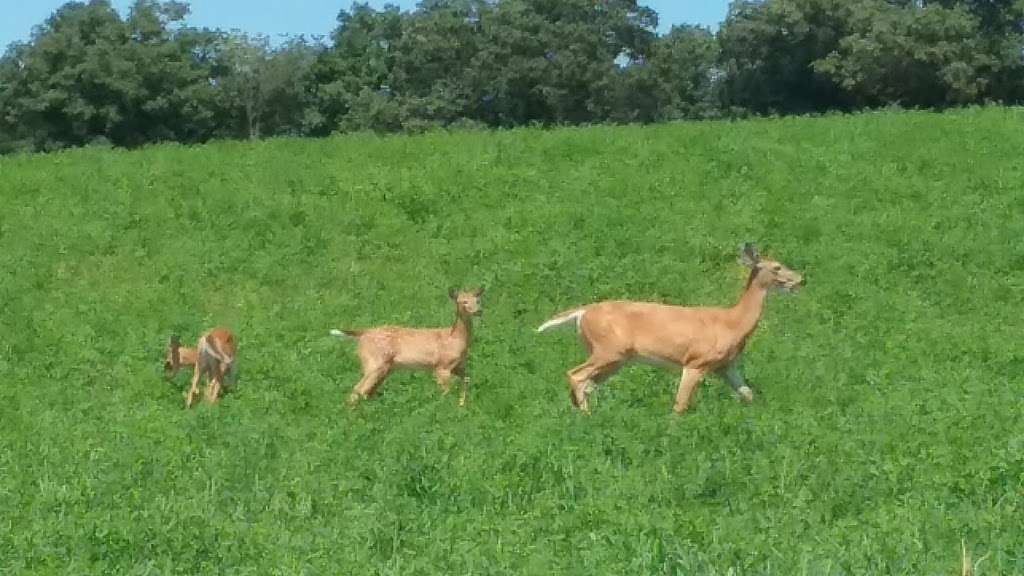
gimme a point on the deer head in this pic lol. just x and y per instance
(769, 274)
(467, 303)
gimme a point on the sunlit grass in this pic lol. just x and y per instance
(886, 431)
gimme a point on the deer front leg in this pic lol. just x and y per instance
(193, 391)
(687, 386)
(732, 375)
(460, 371)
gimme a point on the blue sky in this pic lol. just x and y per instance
(274, 17)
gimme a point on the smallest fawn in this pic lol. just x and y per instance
(441, 350)
(213, 356)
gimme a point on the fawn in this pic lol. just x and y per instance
(696, 340)
(213, 356)
(442, 350)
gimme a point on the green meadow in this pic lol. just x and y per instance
(887, 428)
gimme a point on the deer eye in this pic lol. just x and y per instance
(777, 268)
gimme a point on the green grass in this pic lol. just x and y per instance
(888, 424)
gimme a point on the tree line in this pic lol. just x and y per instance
(90, 76)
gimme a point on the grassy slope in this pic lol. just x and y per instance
(888, 423)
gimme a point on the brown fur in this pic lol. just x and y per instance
(213, 356)
(696, 340)
(441, 350)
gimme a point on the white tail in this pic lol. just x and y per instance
(564, 318)
(442, 350)
(697, 340)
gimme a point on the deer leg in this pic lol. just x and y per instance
(731, 373)
(583, 377)
(193, 391)
(444, 378)
(216, 381)
(687, 386)
(460, 371)
(371, 379)
(227, 376)
(211, 386)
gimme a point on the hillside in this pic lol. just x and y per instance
(887, 427)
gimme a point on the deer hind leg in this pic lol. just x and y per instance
(216, 382)
(583, 377)
(211, 386)
(687, 386)
(367, 385)
(731, 373)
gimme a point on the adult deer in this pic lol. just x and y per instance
(441, 350)
(213, 357)
(696, 340)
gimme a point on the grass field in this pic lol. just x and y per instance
(888, 425)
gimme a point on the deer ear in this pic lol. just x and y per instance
(479, 292)
(749, 256)
(453, 294)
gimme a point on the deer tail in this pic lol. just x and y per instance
(574, 315)
(347, 334)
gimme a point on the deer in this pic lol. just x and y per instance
(384, 349)
(213, 357)
(695, 340)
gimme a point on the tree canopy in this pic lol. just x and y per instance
(90, 75)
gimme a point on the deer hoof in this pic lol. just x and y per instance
(746, 394)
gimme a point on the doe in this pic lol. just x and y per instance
(213, 356)
(695, 340)
(442, 350)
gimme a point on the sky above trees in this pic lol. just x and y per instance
(274, 18)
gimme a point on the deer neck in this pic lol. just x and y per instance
(463, 327)
(187, 356)
(747, 312)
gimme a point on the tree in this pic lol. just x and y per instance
(241, 82)
(769, 48)
(89, 76)
(287, 82)
(678, 79)
(556, 61)
(915, 56)
(356, 73)
(432, 80)
(261, 90)
(66, 87)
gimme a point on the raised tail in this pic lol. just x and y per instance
(573, 315)
(347, 334)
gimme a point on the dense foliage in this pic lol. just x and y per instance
(887, 427)
(92, 76)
